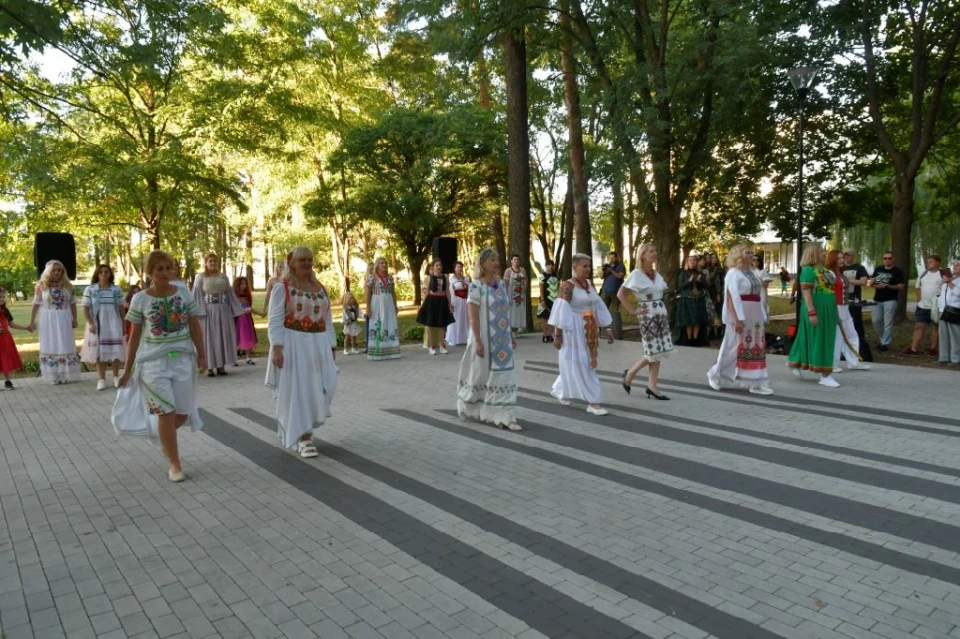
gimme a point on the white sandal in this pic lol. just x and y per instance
(514, 426)
(307, 449)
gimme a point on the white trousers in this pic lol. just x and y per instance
(847, 342)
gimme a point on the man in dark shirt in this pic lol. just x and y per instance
(888, 281)
(856, 277)
(613, 273)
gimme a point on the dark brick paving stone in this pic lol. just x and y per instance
(357, 505)
(706, 474)
(640, 588)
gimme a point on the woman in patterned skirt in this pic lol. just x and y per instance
(379, 292)
(648, 287)
(487, 386)
(458, 332)
(103, 339)
(743, 353)
(516, 280)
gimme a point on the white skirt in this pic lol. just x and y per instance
(59, 361)
(458, 332)
(304, 387)
(577, 379)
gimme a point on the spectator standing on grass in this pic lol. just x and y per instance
(949, 306)
(784, 280)
(856, 277)
(613, 273)
(927, 291)
(888, 281)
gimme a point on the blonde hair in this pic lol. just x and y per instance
(348, 299)
(48, 271)
(155, 257)
(641, 250)
(813, 255)
(376, 262)
(735, 256)
(483, 257)
(296, 254)
(581, 257)
(205, 258)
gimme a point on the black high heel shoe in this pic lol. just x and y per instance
(661, 396)
(626, 386)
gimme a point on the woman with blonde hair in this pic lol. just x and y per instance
(158, 388)
(486, 385)
(56, 305)
(648, 288)
(812, 348)
(217, 306)
(302, 371)
(379, 292)
(743, 352)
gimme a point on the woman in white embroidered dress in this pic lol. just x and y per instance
(302, 371)
(516, 280)
(648, 287)
(103, 339)
(383, 341)
(486, 385)
(743, 352)
(53, 299)
(158, 388)
(577, 315)
(458, 332)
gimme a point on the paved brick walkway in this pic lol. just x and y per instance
(813, 513)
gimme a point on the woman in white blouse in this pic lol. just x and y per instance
(743, 353)
(949, 305)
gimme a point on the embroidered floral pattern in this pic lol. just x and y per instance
(500, 338)
(59, 298)
(167, 315)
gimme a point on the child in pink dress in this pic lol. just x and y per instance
(246, 332)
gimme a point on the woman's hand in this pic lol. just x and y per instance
(74, 323)
(31, 326)
(813, 320)
(738, 326)
(202, 362)
(609, 336)
(558, 340)
(247, 311)
(276, 356)
(479, 348)
(122, 382)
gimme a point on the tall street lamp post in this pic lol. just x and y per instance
(802, 79)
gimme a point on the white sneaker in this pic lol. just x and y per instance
(829, 382)
(432, 351)
(116, 382)
(714, 382)
(596, 411)
(859, 366)
(761, 389)
(101, 384)
(443, 351)
(837, 369)
(176, 477)
(797, 372)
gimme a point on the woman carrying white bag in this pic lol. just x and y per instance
(166, 347)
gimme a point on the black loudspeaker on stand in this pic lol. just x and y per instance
(55, 246)
(445, 250)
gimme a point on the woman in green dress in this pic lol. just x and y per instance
(812, 349)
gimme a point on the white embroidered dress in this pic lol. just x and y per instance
(579, 318)
(383, 341)
(487, 386)
(59, 361)
(459, 331)
(654, 321)
(743, 356)
(302, 323)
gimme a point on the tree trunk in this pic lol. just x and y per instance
(565, 268)
(571, 94)
(667, 234)
(248, 258)
(518, 153)
(618, 218)
(901, 228)
(499, 239)
(416, 272)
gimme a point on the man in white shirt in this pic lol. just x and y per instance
(927, 291)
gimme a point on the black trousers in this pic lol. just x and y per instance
(856, 312)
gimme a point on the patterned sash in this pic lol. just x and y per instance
(592, 336)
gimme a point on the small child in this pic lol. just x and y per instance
(246, 332)
(166, 346)
(351, 323)
(9, 357)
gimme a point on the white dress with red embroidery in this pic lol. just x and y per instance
(302, 323)
(579, 319)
